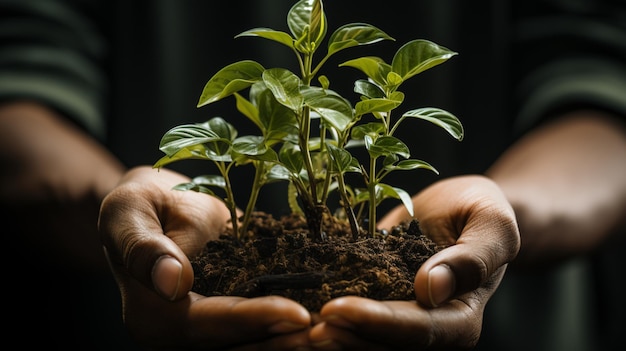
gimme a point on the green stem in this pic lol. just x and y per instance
(371, 187)
(306, 152)
(328, 176)
(354, 227)
(254, 194)
(388, 124)
(313, 210)
(230, 199)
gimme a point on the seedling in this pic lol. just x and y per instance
(306, 129)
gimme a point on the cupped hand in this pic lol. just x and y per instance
(471, 214)
(148, 231)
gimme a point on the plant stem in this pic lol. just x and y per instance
(371, 187)
(313, 209)
(354, 227)
(230, 199)
(254, 194)
(306, 152)
(328, 176)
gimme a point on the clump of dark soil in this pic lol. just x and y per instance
(279, 258)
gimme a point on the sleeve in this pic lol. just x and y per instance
(569, 55)
(52, 52)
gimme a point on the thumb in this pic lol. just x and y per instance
(159, 266)
(169, 279)
(457, 270)
(138, 249)
(440, 285)
(473, 215)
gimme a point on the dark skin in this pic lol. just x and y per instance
(452, 287)
(135, 241)
(51, 167)
(479, 214)
(565, 181)
(161, 223)
(562, 208)
(192, 319)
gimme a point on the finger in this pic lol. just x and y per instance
(150, 229)
(293, 341)
(472, 214)
(141, 248)
(400, 325)
(360, 319)
(327, 336)
(198, 322)
(486, 244)
(257, 318)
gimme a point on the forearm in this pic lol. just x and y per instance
(567, 184)
(53, 177)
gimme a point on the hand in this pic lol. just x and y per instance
(148, 231)
(452, 287)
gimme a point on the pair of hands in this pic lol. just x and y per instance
(149, 230)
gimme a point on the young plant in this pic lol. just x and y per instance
(305, 130)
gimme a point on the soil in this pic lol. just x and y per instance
(279, 258)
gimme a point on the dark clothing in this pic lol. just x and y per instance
(127, 71)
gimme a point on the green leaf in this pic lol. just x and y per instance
(343, 160)
(374, 68)
(362, 196)
(417, 56)
(285, 86)
(248, 109)
(355, 34)
(222, 128)
(307, 23)
(180, 137)
(368, 89)
(290, 157)
(197, 152)
(230, 79)
(194, 187)
(268, 155)
(278, 122)
(292, 199)
(185, 135)
(394, 80)
(442, 118)
(201, 184)
(268, 33)
(387, 145)
(334, 109)
(219, 150)
(276, 173)
(317, 23)
(315, 143)
(375, 105)
(373, 129)
(390, 160)
(324, 82)
(250, 145)
(406, 165)
(397, 193)
(210, 180)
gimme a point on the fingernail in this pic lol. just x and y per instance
(441, 284)
(166, 276)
